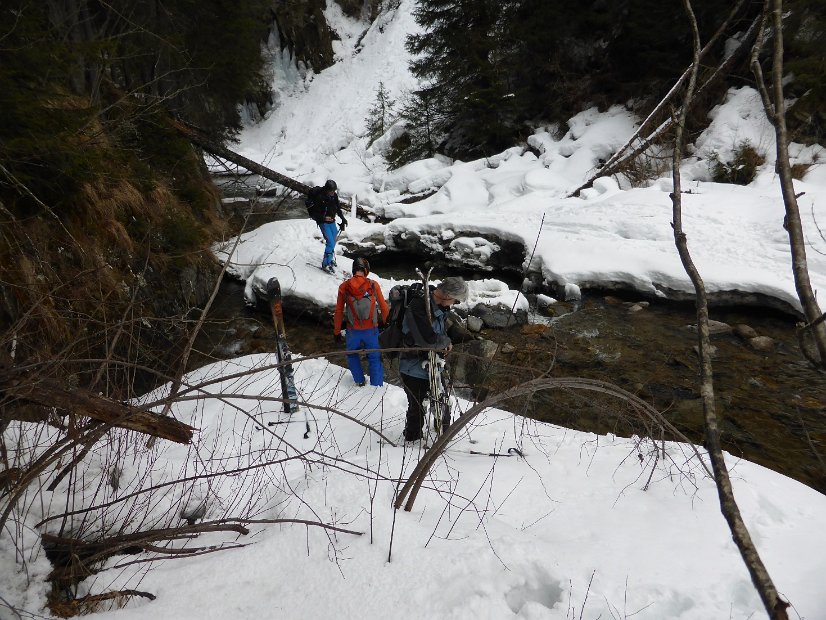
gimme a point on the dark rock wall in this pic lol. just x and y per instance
(303, 29)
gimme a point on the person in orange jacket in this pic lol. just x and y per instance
(361, 303)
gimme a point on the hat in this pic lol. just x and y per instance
(454, 287)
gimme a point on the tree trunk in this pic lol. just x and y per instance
(760, 578)
(220, 150)
(49, 394)
(776, 113)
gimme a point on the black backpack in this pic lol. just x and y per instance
(399, 299)
(314, 202)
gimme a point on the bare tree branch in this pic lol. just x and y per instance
(775, 107)
(774, 605)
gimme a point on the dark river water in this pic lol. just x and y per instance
(771, 405)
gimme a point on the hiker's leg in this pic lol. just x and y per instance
(371, 341)
(416, 390)
(329, 231)
(353, 340)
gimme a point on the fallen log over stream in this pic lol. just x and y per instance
(219, 150)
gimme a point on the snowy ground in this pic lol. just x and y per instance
(584, 526)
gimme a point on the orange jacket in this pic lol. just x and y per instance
(348, 293)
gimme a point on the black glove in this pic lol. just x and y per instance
(338, 338)
(343, 223)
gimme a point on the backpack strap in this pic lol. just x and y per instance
(374, 306)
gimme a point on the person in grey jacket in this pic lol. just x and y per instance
(418, 332)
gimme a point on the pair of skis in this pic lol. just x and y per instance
(439, 395)
(282, 353)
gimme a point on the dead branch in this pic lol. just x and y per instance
(73, 556)
(90, 603)
(51, 395)
(325, 526)
(90, 552)
(622, 155)
(419, 474)
(161, 485)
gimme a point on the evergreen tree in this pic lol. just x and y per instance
(557, 48)
(72, 71)
(498, 66)
(806, 61)
(652, 44)
(460, 56)
(424, 128)
(381, 114)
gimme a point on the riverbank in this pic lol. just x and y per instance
(771, 404)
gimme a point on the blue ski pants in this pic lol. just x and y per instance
(358, 339)
(329, 231)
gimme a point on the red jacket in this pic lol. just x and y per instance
(349, 293)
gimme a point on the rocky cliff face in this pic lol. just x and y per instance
(303, 29)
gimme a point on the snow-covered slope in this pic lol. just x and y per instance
(610, 234)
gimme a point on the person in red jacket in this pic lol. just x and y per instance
(361, 303)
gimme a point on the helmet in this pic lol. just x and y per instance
(361, 264)
(330, 186)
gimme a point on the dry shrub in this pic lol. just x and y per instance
(645, 167)
(741, 169)
(799, 170)
(162, 196)
(104, 200)
(34, 299)
(116, 234)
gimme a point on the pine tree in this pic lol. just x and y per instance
(557, 49)
(805, 60)
(424, 128)
(459, 55)
(381, 114)
(87, 91)
(497, 66)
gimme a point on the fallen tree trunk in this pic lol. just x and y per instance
(49, 395)
(219, 150)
